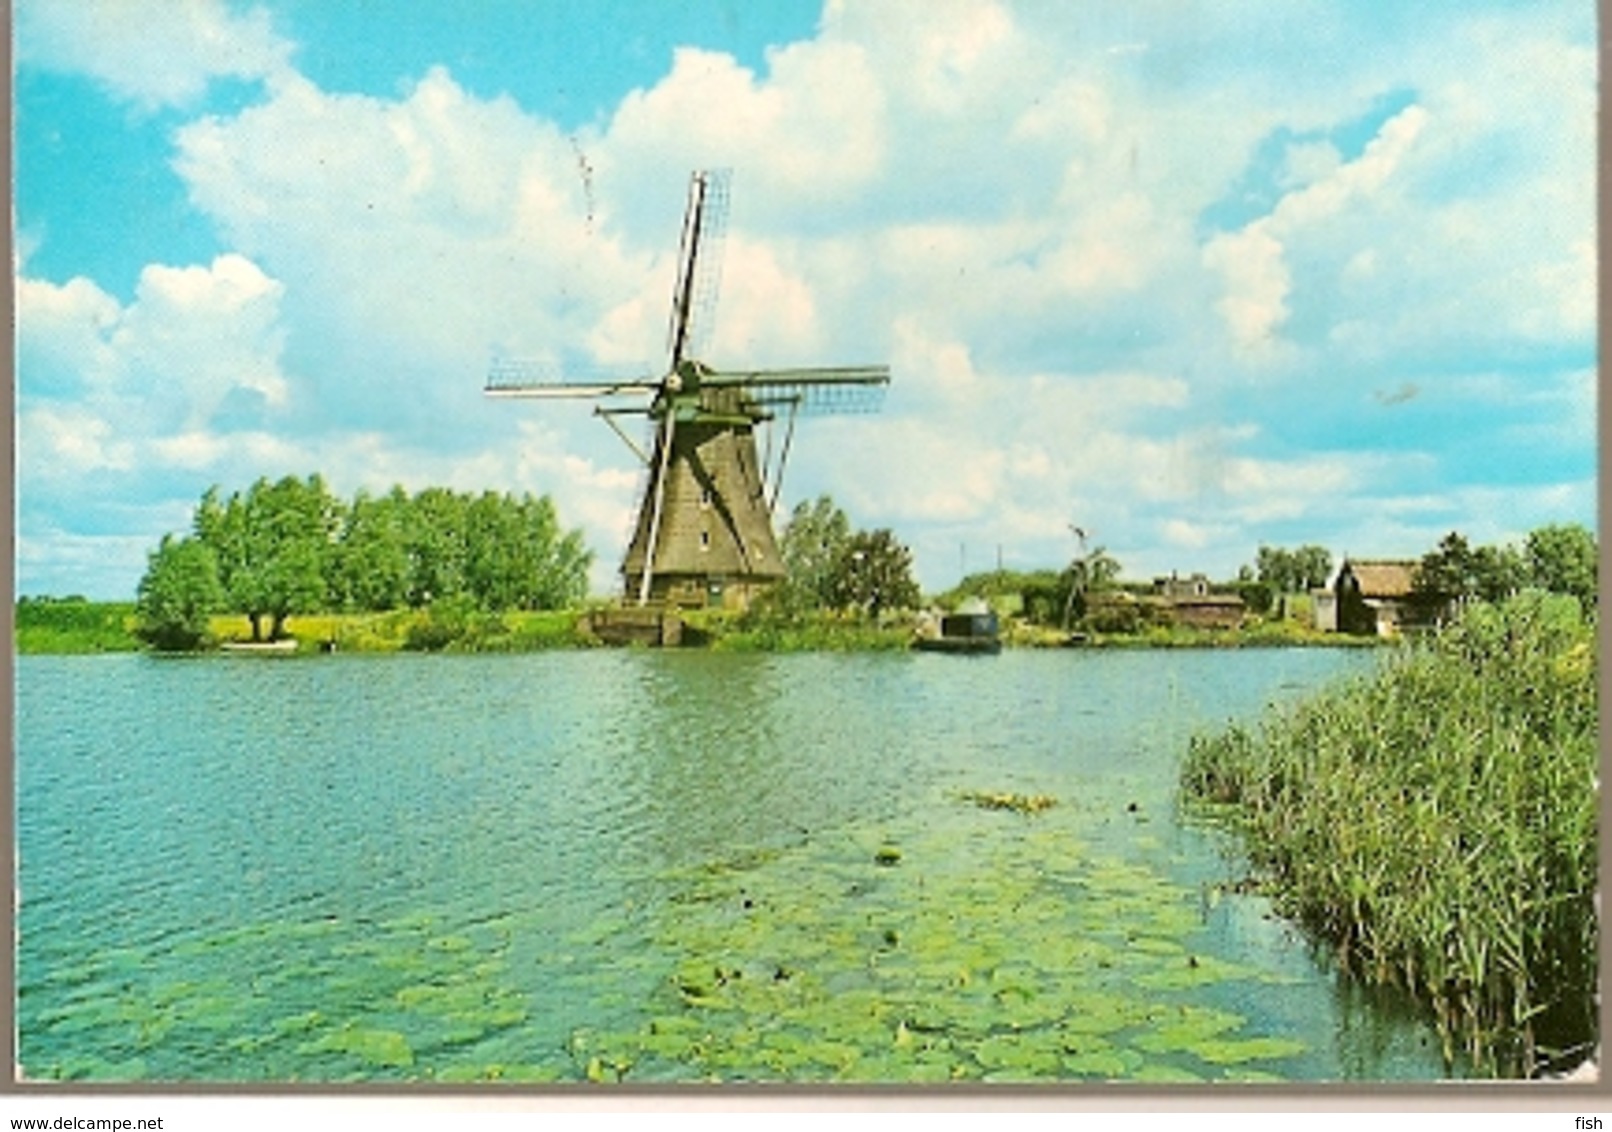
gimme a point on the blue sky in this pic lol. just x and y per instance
(1196, 277)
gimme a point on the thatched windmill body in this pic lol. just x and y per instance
(704, 534)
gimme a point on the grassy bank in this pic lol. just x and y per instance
(815, 632)
(1255, 634)
(443, 629)
(74, 626)
(1437, 824)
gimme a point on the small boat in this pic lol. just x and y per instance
(974, 631)
(260, 648)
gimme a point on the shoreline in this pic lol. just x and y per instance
(99, 628)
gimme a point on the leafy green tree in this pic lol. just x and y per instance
(271, 546)
(1562, 559)
(1499, 572)
(1460, 572)
(438, 546)
(873, 573)
(1274, 567)
(177, 594)
(291, 547)
(371, 558)
(1088, 573)
(811, 544)
(1312, 566)
(298, 522)
(494, 565)
(1450, 572)
(555, 563)
(1258, 597)
(516, 556)
(1293, 571)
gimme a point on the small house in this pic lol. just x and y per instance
(1375, 596)
(1192, 601)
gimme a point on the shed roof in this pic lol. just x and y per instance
(1383, 577)
(1208, 601)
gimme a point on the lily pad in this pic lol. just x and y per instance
(1108, 1064)
(1155, 1073)
(1236, 1051)
(375, 1046)
(1192, 1027)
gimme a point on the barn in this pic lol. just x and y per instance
(1376, 596)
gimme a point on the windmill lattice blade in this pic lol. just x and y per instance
(509, 378)
(699, 265)
(708, 269)
(818, 392)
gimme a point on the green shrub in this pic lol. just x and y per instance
(455, 623)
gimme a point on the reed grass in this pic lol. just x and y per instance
(1436, 822)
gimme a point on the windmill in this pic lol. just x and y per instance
(704, 529)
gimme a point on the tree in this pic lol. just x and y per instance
(271, 546)
(1087, 573)
(1449, 572)
(872, 572)
(1312, 566)
(1274, 567)
(813, 541)
(178, 593)
(1499, 572)
(1293, 571)
(437, 546)
(553, 565)
(1258, 597)
(1562, 559)
(1559, 558)
(515, 556)
(371, 559)
(291, 547)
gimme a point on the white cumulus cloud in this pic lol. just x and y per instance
(162, 54)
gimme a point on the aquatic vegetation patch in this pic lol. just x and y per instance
(1018, 803)
(1024, 958)
(327, 1000)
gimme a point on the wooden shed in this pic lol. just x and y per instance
(1376, 596)
(1192, 601)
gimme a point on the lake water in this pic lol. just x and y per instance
(657, 866)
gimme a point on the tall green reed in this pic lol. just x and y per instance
(1436, 822)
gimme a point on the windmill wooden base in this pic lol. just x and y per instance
(646, 626)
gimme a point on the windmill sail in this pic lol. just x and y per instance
(704, 531)
(699, 266)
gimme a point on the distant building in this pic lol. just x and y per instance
(1324, 608)
(1192, 601)
(1176, 586)
(1375, 596)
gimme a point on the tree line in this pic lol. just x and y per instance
(289, 546)
(1558, 558)
(833, 567)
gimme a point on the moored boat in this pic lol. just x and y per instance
(971, 631)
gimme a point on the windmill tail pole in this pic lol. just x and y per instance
(783, 457)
